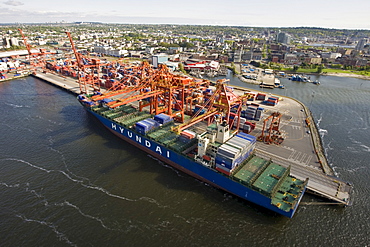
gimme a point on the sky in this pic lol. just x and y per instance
(339, 14)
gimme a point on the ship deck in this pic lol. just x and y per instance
(272, 180)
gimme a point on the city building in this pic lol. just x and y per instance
(283, 38)
(361, 44)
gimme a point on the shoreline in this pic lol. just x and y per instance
(364, 77)
(338, 74)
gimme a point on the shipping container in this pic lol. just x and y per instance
(223, 170)
(247, 128)
(224, 161)
(152, 122)
(142, 127)
(188, 134)
(261, 96)
(228, 152)
(163, 118)
(236, 144)
(247, 137)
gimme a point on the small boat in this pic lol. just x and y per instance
(316, 82)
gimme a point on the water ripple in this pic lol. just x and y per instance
(66, 203)
(10, 185)
(83, 182)
(17, 106)
(61, 236)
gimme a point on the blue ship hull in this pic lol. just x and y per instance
(191, 167)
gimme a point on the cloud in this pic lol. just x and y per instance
(13, 3)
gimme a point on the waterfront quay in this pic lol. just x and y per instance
(301, 149)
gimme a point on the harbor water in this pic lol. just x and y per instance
(67, 181)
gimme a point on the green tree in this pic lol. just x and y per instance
(319, 69)
(186, 44)
(232, 68)
(181, 68)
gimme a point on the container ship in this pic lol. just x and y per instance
(195, 127)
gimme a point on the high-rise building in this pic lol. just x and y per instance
(6, 42)
(14, 41)
(283, 38)
(361, 44)
(220, 39)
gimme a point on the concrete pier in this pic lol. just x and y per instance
(67, 83)
(302, 149)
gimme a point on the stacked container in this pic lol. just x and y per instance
(251, 126)
(234, 152)
(242, 121)
(261, 96)
(258, 114)
(248, 127)
(105, 102)
(144, 126)
(250, 113)
(163, 118)
(186, 136)
(252, 96)
(272, 101)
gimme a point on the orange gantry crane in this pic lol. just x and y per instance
(36, 59)
(160, 91)
(222, 101)
(88, 70)
(273, 134)
(157, 89)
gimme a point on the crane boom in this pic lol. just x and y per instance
(25, 42)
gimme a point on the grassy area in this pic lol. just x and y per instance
(301, 70)
(365, 73)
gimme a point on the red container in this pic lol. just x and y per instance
(223, 171)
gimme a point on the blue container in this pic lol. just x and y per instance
(105, 101)
(273, 98)
(152, 122)
(228, 153)
(141, 128)
(144, 126)
(196, 109)
(250, 138)
(163, 118)
(225, 161)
